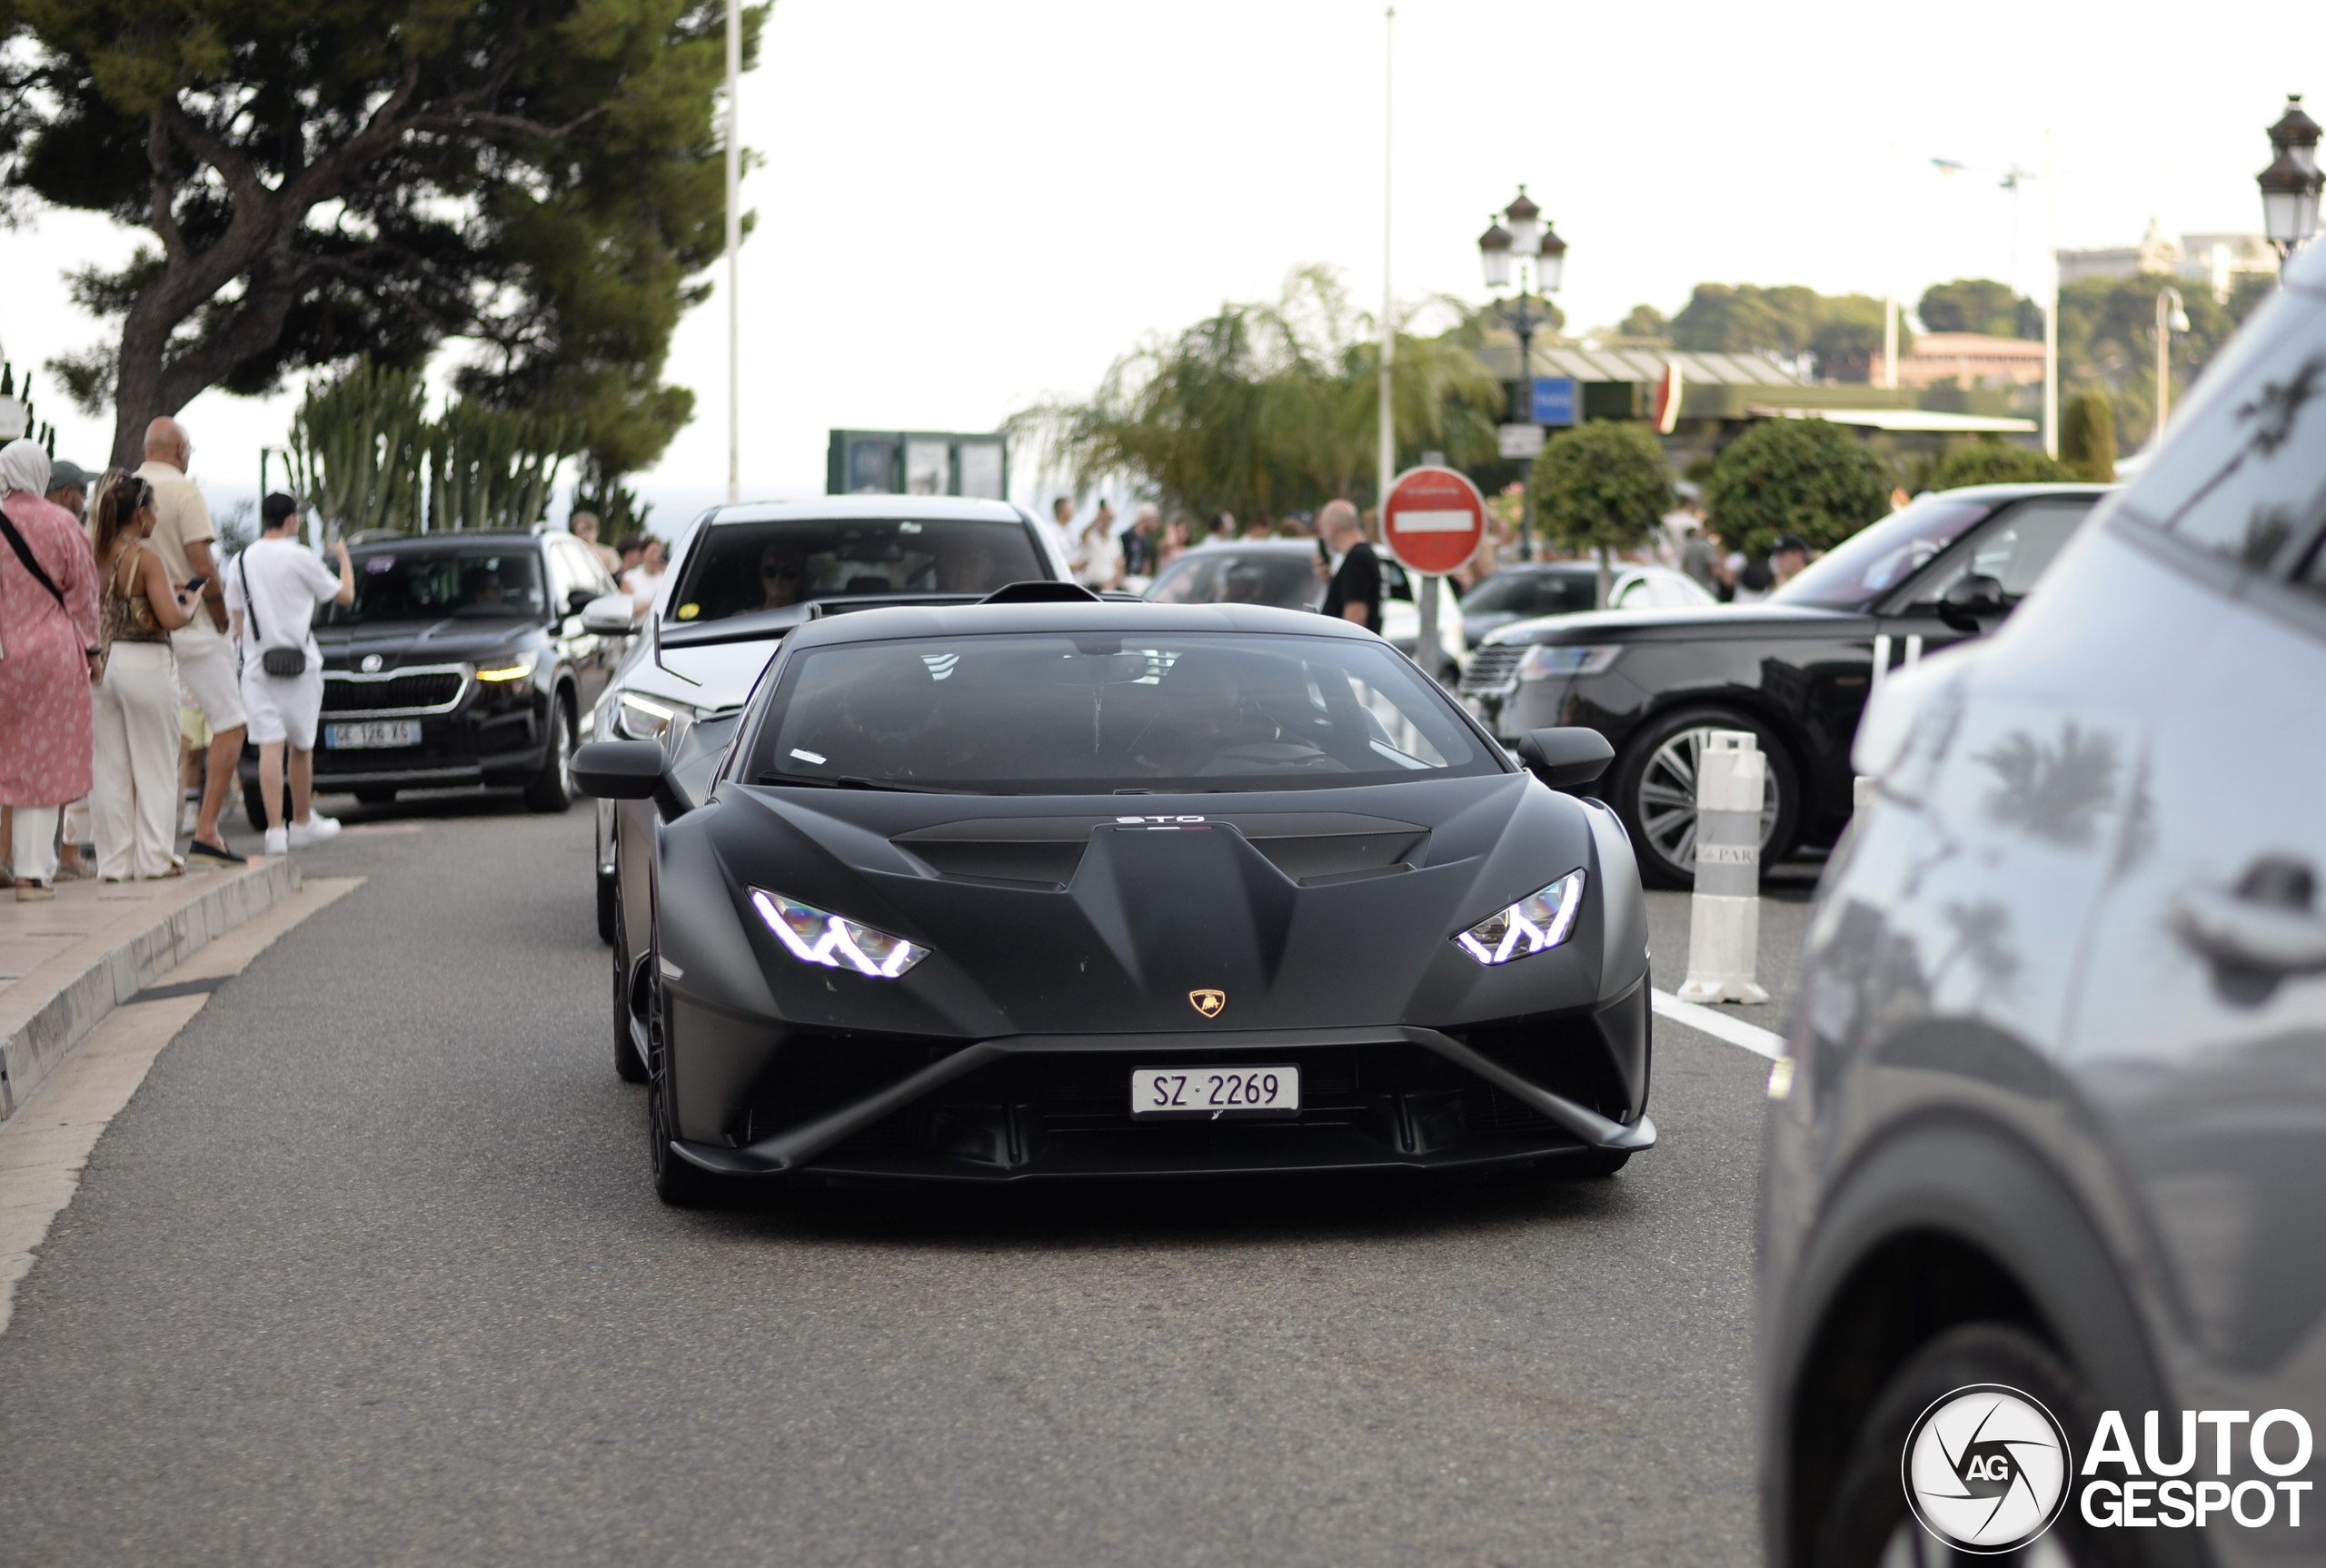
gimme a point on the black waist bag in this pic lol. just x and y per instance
(281, 662)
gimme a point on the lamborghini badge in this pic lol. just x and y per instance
(1210, 1004)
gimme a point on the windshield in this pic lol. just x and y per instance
(742, 567)
(1285, 579)
(1534, 594)
(1058, 714)
(1876, 559)
(430, 582)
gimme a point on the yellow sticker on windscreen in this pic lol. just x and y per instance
(689, 611)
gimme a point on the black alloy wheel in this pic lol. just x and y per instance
(1866, 1523)
(627, 1067)
(552, 788)
(1655, 791)
(676, 1182)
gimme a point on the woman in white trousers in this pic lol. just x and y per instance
(136, 796)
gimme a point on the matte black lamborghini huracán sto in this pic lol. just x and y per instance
(1050, 886)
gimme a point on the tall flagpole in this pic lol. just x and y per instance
(2051, 310)
(1389, 317)
(734, 248)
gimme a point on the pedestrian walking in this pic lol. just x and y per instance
(136, 710)
(1060, 528)
(272, 592)
(1174, 543)
(1142, 540)
(49, 645)
(68, 487)
(584, 527)
(184, 534)
(1100, 555)
(644, 579)
(1353, 590)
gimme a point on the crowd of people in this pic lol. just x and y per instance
(132, 656)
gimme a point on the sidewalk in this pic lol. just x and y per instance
(67, 963)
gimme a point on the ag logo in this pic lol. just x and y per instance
(1210, 1004)
(1986, 1469)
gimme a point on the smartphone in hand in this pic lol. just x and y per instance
(195, 584)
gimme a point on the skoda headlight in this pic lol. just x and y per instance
(638, 718)
(517, 667)
(817, 936)
(1548, 660)
(1536, 923)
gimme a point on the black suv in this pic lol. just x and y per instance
(1794, 670)
(463, 662)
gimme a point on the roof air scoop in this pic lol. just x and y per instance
(1041, 593)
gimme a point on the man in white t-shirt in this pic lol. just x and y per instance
(272, 590)
(644, 579)
(183, 536)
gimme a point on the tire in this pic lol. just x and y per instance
(676, 1183)
(552, 790)
(1654, 790)
(627, 1065)
(609, 908)
(1868, 1523)
(376, 795)
(254, 807)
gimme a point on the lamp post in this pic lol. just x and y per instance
(2172, 317)
(2290, 184)
(1528, 240)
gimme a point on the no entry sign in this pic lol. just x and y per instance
(1434, 520)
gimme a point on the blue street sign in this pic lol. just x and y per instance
(1553, 400)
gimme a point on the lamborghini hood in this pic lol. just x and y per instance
(1068, 915)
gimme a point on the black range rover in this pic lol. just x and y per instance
(462, 662)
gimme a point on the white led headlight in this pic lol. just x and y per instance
(814, 936)
(1536, 923)
(638, 718)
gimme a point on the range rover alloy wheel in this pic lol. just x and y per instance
(1655, 789)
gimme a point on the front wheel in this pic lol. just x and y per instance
(1654, 792)
(676, 1182)
(552, 788)
(1866, 1522)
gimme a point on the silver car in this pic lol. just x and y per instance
(2042, 1249)
(742, 577)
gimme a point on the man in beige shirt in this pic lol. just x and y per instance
(183, 533)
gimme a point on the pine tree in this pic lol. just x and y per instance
(2088, 438)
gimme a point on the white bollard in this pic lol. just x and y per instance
(1725, 918)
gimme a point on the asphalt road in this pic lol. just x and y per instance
(369, 1272)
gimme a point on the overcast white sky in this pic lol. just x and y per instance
(965, 207)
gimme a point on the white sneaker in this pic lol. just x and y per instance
(314, 830)
(191, 817)
(278, 840)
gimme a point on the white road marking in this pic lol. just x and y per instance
(1720, 1026)
(46, 1145)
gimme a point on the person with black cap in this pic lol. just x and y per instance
(1787, 557)
(272, 593)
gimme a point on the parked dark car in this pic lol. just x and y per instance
(1534, 589)
(2054, 1116)
(1029, 890)
(1282, 573)
(1793, 669)
(463, 662)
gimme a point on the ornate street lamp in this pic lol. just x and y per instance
(2290, 184)
(2172, 316)
(1527, 240)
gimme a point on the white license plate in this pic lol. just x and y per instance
(378, 732)
(1213, 1091)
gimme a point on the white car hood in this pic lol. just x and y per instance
(707, 678)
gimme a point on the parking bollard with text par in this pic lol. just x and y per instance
(1725, 919)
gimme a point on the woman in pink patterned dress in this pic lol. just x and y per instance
(48, 642)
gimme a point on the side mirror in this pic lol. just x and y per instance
(1970, 596)
(612, 615)
(627, 770)
(1567, 757)
(578, 599)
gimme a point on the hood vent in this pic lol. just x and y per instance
(1041, 854)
